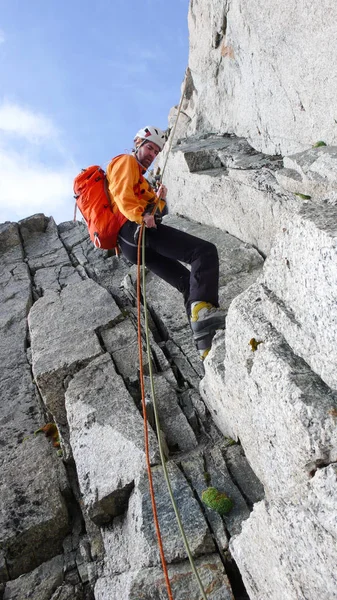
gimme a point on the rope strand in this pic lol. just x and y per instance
(141, 244)
(146, 432)
(156, 416)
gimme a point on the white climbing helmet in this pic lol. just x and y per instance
(151, 134)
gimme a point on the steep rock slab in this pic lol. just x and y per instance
(34, 518)
(46, 256)
(242, 473)
(15, 301)
(221, 479)
(107, 439)
(134, 534)
(195, 470)
(241, 64)
(269, 398)
(122, 343)
(97, 264)
(55, 278)
(42, 245)
(39, 584)
(287, 551)
(246, 202)
(179, 434)
(311, 173)
(149, 584)
(33, 515)
(11, 250)
(300, 297)
(63, 337)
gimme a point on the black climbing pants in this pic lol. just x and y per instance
(165, 247)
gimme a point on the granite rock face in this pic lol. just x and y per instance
(63, 334)
(221, 181)
(311, 173)
(300, 282)
(270, 382)
(258, 419)
(33, 516)
(77, 518)
(304, 570)
(106, 436)
(242, 61)
(149, 583)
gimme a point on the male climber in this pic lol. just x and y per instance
(165, 246)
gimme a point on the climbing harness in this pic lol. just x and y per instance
(142, 290)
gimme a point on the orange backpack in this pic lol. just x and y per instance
(92, 199)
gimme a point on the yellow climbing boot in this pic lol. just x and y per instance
(203, 344)
(206, 318)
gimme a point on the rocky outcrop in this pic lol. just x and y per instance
(33, 486)
(270, 382)
(220, 180)
(262, 73)
(258, 420)
(77, 521)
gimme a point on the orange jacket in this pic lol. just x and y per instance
(128, 189)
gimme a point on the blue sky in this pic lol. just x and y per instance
(77, 80)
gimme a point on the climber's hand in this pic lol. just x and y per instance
(162, 192)
(149, 220)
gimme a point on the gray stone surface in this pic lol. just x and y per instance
(64, 339)
(149, 584)
(220, 479)
(195, 470)
(281, 411)
(55, 278)
(247, 203)
(107, 439)
(312, 173)
(33, 513)
(108, 271)
(252, 72)
(301, 282)
(178, 433)
(300, 546)
(242, 473)
(34, 517)
(10, 243)
(193, 407)
(122, 343)
(134, 534)
(39, 584)
(42, 245)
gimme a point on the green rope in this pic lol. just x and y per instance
(156, 416)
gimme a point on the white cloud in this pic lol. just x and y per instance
(2, 37)
(25, 123)
(27, 184)
(27, 188)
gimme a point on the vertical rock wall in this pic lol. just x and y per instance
(264, 71)
(77, 519)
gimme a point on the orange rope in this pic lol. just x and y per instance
(146, 433)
